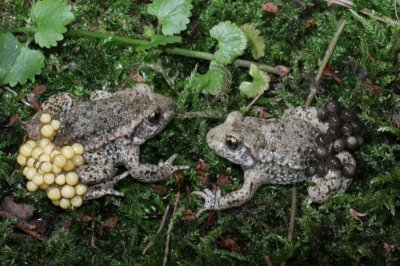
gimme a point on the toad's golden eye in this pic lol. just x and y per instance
(154, 117)
(232, 142)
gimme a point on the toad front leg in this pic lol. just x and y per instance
(147, 173)
(214, 201)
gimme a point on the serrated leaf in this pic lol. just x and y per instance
(256, 43)
(259, 85)
(51, 17)
(231, 42)
(173, 15)
(18, 63)
(215, 81)
(158, 40)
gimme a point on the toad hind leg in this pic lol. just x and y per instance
(333, 182)
(98, 168)
(106, 188)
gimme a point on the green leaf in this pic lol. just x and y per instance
(18, 63)
(256, 43)
(231, 42)
(158, 40)
(51, 17)
(217, 80)
(259, 85)
(173, 15)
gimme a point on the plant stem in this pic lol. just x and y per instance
(112, 38)
(18, 30)
(136, 42)
(325, 60)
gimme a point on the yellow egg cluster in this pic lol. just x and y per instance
(50, 168)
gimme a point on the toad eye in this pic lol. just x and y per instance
(155, 116)
(232, 142)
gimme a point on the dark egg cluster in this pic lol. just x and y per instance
(345, 133)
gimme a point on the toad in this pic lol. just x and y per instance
(111, 127)
(274, 151)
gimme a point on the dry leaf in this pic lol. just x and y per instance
(68, 223)
(179, 175)
(39, 89)
(330, 72)
(189, 216)
(159, 189)
(85, 217)
(22, 211)
(210, 218)
(271, 8)
(309, 23)
(24, 226)
(222, 180)
(32, 100)
(388, 247)
(108, 224)
(14, 120)
(230, 244)
(372, 88)
(202, 170)
(355, 214)
(283, 71)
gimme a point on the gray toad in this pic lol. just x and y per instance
(272, 151)
(110, 126)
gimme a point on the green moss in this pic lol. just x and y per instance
(367, 53)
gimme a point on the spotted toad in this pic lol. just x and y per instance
(272, 151)
(111, 127)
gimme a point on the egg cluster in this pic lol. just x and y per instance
(345, 133)
(50, 168)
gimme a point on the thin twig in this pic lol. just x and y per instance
(93, 239)
(151, 243)
(325, 60)
(170, 226)
(345, 3)
(253, 102)
(386, 20)
(349, 4)
(292, 213)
